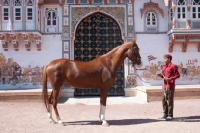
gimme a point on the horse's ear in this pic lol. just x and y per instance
(134, 41)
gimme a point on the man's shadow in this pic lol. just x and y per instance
(187, 119)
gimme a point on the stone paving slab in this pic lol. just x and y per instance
(31, 117)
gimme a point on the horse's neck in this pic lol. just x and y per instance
(118, 57)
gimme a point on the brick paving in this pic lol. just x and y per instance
(124, 116)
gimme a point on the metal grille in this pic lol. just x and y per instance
(125, 1)
(97, 1)
(83, 1)
(95, 36)
(70, 1)
(181, 24)
(151, 29)
(196, 24)
(112, 1)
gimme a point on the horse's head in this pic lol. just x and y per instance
(133, 53)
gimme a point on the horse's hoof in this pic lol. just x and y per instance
(52, 122)
(62, 124)
(105, 124)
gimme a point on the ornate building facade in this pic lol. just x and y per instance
(34, 32)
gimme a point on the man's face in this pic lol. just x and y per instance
(166, 60)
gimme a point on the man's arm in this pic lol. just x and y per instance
(176, 73)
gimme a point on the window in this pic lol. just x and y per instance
(181, 13)
(51, 18)
(29, 13)
(181, 9)
(196, 9)
(17, 13)
(5, 13)
(151, 19)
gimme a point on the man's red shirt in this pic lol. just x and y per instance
(170, 71)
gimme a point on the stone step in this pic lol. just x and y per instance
(154, 93)
(22, 95)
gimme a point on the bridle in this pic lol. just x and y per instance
(137, 55)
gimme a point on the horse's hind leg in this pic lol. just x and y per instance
(103, 99)
(55, 101)
(50, 100)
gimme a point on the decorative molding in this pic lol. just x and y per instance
(27, 42)
(188, 8)
(173, 8)
(4, 43)
(76, 1)
(151, 5)
(151, 32)
(105, 1)
(132, 1)
(38, 41)
(199, 47)
(90, 1)
(188, 24)
(184, 39)
(173, 24)
(187, 38)
(171, 44)
(119, 1)
(14, 42)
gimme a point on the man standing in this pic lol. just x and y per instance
(169, 74)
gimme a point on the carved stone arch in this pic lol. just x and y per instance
(151, 5)
(80, 20)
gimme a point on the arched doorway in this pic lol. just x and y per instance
(96, 35)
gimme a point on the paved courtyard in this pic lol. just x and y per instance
(124, 114)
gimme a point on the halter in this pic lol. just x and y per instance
(134, 53)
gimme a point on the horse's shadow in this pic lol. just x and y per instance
(134, 121)
(114, 122)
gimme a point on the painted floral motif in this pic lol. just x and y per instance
(79, 12)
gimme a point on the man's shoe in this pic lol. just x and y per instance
(163, 117)
(169, 118)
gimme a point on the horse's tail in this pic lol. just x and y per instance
(44, 90)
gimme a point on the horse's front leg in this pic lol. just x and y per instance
(103, 99)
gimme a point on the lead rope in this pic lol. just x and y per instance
(147, 81)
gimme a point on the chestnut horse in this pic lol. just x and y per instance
(98, 73)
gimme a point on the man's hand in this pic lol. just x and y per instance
(159, 74)
(167, 79)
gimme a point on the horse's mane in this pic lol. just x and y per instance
(112, 51)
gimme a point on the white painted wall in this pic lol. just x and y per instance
(51, 49)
